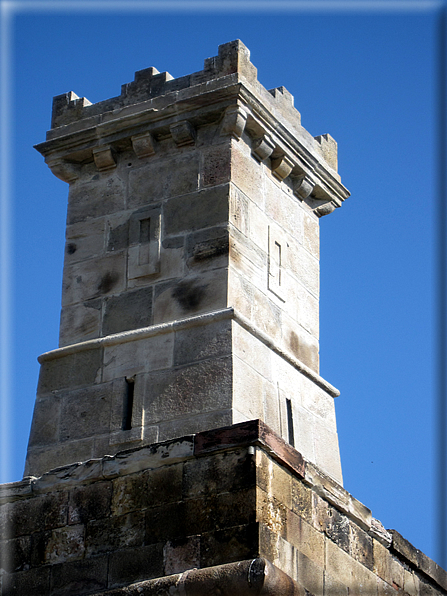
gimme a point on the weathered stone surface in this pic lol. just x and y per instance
(181, 555)
(131, 310)
(147, 489)
(90, 502)
(182, 392)
(79, 577)
(94, 198)
(72, 370)
(202, 342)
(135, 564)
(197, 210)
(117, 532)
(163, 179)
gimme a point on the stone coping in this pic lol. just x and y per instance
(255, 577)
(251, 435)
(196, 321)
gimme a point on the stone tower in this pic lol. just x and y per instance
(191, 276)
(183, 442)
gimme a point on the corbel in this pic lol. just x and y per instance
(64, 170)
(303, 187)
(324, 209)
(143, 145)
(281, 167)
(234, 121)
(104, 157)
(183, 133)
(262, 148)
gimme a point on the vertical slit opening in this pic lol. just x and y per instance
(128, 404)
(290, 422)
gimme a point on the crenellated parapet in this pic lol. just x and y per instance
(156, 106)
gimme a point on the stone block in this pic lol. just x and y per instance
(332, 587)
(165, 178)
(310, 575)
(90, 502)
(252, 351)
(196, 423)
(298, 342)
(304, 432)
(248, 390)
(94, 278)
(101, 196)
(361, 548)
(302, 500)
(139, 356)
(166, 522)
(32, 581)
(39, 513)
(135, 564)
(246, 257)
(190, 296)
(147, 489)
(216, 167)
(203, 209)
(239, 210)
(85, 240)
(247, 174)
(45, 423)
(258, 227)
(15, 554)
(117, 231)
(202, 387)
(272, 513)
(311, 234)
(65, 544)
(79, 577)
(218, 512)
(130, 310)
(220, 473)
(71, 370)
(77, 421)
(306, 539)
(114, 533)
(181, 555)
(202, 342)
(304, 267)
(284, 209)
(207, 249)
(327, 451)
(41, 460)
(80, 322)
(240, 292)
(266, 315)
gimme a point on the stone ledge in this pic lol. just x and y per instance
(196, 321)
(404, 550)
(255, 577)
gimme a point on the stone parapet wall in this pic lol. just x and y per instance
(210, 499)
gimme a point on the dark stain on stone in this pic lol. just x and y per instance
(210, 249)
(71, 248)
(107, 282)
(188, 294)
(294, 343)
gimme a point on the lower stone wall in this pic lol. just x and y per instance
(210, 499)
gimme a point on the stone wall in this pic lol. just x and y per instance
(215, 498)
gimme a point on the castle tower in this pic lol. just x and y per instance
(191, 276)
(183, 442)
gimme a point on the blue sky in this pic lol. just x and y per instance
(366, 75)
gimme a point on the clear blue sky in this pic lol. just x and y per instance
(368, 77)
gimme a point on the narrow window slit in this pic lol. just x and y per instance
(290, 422)
(128, 404)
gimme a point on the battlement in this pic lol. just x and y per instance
(233, 59)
